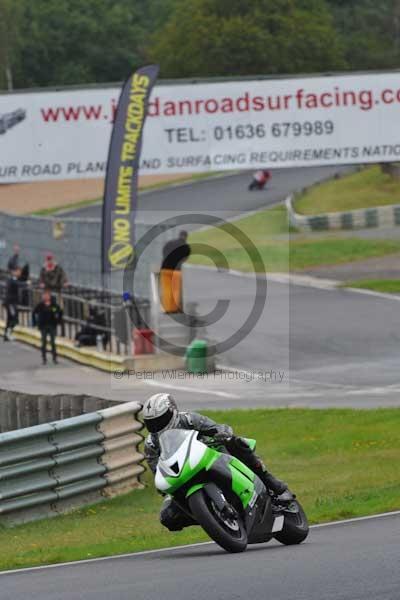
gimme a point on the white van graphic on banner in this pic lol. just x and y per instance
(206, 126)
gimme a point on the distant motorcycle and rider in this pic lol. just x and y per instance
(260, 180)
(214, 479)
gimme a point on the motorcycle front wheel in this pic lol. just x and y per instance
(226, 530)
(295, 526)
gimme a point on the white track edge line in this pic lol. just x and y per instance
(184, 388)
(299, 280)
(356, 519)
(175, 548)
(274, 277)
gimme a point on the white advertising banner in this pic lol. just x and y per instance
(200, 127)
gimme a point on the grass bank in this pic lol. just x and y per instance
(388, 286)
(341, 463)
(367, 188)
(263, 230)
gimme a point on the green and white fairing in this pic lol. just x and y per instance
(183, 456)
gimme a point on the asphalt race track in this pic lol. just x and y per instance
(335, 348)
(225, 196)
(328, 335)
(310, 347)
(350, 561)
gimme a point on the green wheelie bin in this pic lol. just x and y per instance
(196, 357)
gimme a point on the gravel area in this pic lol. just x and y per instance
(25, 198)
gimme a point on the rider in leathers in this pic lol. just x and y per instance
(160, 413)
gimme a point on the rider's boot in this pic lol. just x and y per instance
(239, 448)
(277, 486)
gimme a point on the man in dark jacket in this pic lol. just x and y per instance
(47, 315)
(11, 303)
(160, 413)
(175, 253)
(13, 262)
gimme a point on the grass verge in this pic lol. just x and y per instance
(154, 186)
(389, 286)
(282, 254)
(367, 188)
(341, 463)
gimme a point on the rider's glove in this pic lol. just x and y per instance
(223, 433)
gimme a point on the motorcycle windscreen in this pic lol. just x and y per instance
(171, 440)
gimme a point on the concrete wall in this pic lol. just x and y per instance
(18, 410)
(76, 245)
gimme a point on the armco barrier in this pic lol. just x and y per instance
(379, 216)
(121, 457)
(48, 469)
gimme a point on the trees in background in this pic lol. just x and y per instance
(70, 41)
(58, 42)
(370, 32)
(232, 37)
(9, 31)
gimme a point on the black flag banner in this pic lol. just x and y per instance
(121, 186)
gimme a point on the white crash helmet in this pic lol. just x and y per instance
(160, 412)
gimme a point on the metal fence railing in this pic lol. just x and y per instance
(113, 321)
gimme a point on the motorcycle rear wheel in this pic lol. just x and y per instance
(295, 527)
(229, 533)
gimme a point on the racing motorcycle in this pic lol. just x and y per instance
(222, 495)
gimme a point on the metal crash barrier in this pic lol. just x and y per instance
(51, 468)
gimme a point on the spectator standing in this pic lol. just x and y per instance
(24, 282)
(11, 303)
(52, 275)
(175, 253)
(46, 316)
(13, 262)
